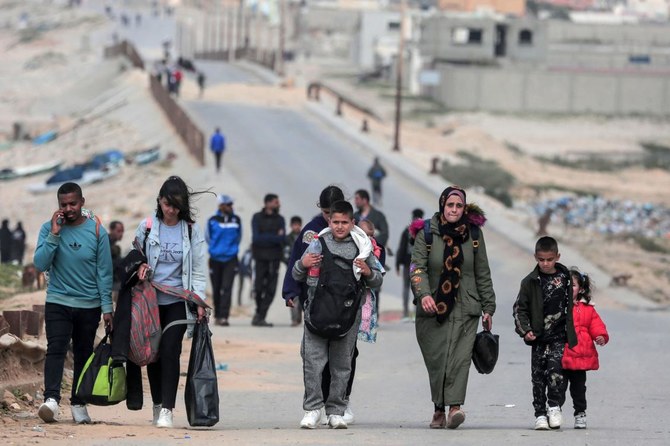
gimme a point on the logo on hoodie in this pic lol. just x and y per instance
(75, 246)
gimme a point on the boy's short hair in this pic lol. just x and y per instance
(342, 207)
(269, 197)
(296, 219)
(546, 244)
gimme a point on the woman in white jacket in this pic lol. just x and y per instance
(175, 250)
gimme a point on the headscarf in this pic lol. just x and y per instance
(453, 235)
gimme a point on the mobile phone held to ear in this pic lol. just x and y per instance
(59, 221)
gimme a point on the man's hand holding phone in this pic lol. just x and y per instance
(57, 222)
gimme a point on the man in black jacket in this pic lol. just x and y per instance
(404, 258)
(267, 243)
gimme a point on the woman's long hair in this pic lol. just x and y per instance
(178, 195)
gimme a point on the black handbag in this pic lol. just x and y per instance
(485, 351)
(201, 395)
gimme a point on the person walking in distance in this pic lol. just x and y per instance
(217, 144)
(201, 83)
(365, 211)
(404, 258)
(376, 174)
(223, 234)
(296, 228)
(18, 243)
(75, 251)
(267, 243)
(5, 242)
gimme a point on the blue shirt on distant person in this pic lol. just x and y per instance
(218, 143)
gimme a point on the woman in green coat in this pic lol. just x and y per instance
(452, 287)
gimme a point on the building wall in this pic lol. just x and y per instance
(511, 7)
(513, 90)
(438, 39)
(373, 25)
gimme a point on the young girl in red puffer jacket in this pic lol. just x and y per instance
(576, 361)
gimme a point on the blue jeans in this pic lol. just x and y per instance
(62, 325)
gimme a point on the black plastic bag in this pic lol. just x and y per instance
(201, 395)
(485, 352)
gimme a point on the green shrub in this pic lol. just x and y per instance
(486, 174)
(10, 280)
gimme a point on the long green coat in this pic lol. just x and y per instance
(447, 347)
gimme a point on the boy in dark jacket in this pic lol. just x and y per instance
(543, 317)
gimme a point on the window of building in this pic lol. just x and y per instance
(394, 26)
(467, 36)
(525, 37)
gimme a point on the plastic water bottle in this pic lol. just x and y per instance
(313, 272)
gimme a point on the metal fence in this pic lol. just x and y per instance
(126, 49)
(180, 120)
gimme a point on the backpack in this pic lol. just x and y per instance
(428, 236)
(332, 311)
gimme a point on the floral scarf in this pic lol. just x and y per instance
(453, 235)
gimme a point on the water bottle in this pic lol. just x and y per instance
(313, 272)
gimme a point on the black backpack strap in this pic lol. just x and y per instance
(474, 235)
(427, 235)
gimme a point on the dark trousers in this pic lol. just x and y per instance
(405, 290)
(325, 377)
(576, 379)
(218, 156)
(62, 324)
(547, 375)
(164, 373)
(267, 272)
(222, 275)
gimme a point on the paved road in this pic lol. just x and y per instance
(294, 155)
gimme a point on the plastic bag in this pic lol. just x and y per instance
(102, 381)
(485, 352)
(201, 395)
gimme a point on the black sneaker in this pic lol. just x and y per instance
(262, 323)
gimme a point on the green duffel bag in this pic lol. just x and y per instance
(102, 382)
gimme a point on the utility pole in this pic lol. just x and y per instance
(398, 75)
(282, 37)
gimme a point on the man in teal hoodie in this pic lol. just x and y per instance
(74, 250)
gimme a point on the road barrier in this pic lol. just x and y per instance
(180, 120)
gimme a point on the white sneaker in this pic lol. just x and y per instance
(541, 423)
(336, 422)
(80, 414)
(348, 414)
(165, 419)
(555, 417)
(312, 418)
(580, 421)
(48, 411)
(157, 413)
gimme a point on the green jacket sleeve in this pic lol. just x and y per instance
(521, 310)
(419, 269)
(483, 278)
